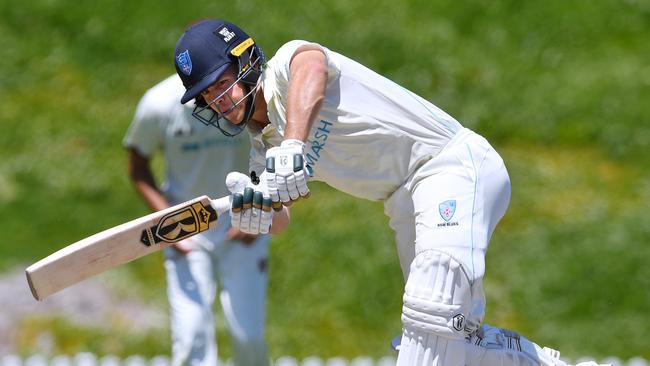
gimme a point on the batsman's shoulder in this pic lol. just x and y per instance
(286, 52)
(284, 55)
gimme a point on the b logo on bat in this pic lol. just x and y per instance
(180, 224)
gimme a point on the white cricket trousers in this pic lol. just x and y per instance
(451, 206)
(239, 272)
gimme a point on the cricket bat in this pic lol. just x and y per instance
(123, 243)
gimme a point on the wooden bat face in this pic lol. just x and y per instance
(122, 244)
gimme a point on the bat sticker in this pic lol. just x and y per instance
(180, 224)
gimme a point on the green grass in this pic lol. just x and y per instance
(570, 253)
(559, 87)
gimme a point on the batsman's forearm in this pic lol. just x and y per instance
(306, 92)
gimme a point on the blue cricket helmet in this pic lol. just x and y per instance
(207, 49)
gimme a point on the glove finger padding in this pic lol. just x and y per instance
(283, 190)
(272, 186)
(248, 205)
(292, 188)
(266, 215)
(256, 212)
(287, 173)
(236, 207)
(245, 224)
(301, 183)
(301, 174)
(268, 180)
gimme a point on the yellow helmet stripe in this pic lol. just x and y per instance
(237, 51)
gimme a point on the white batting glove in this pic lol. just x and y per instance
(287, 172)
(250, 205)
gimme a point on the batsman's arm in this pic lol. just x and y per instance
(307, 83)
(286, 164)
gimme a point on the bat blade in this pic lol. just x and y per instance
(122, 244)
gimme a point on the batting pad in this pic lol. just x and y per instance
(437, 298)
(437, 301)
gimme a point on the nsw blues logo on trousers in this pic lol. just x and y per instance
(447, 209)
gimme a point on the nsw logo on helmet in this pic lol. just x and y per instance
(184, 62)
(226, 34)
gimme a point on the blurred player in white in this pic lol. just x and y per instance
(196, 161)
(314, 114)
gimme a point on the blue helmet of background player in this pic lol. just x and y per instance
(203, 53)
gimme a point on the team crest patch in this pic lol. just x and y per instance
(184, 62)
(447, 210)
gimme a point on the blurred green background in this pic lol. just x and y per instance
(561, 89)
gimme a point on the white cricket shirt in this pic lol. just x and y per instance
(197, 157)
(371, 134)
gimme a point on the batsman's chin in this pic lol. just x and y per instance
(235, 116)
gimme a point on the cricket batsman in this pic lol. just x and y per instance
(314, 114)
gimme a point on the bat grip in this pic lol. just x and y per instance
(221, 205)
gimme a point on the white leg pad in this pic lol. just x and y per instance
(437, 303)
(427, 349)
(437, 298)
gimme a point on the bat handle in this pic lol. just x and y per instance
(221, 205)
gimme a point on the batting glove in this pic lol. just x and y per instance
(250, 205)
(287, 172)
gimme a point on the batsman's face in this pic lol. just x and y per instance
(226, 97)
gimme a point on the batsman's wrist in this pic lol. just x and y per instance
(293, 142)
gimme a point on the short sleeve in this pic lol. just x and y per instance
(284, 55)
(145, 134)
